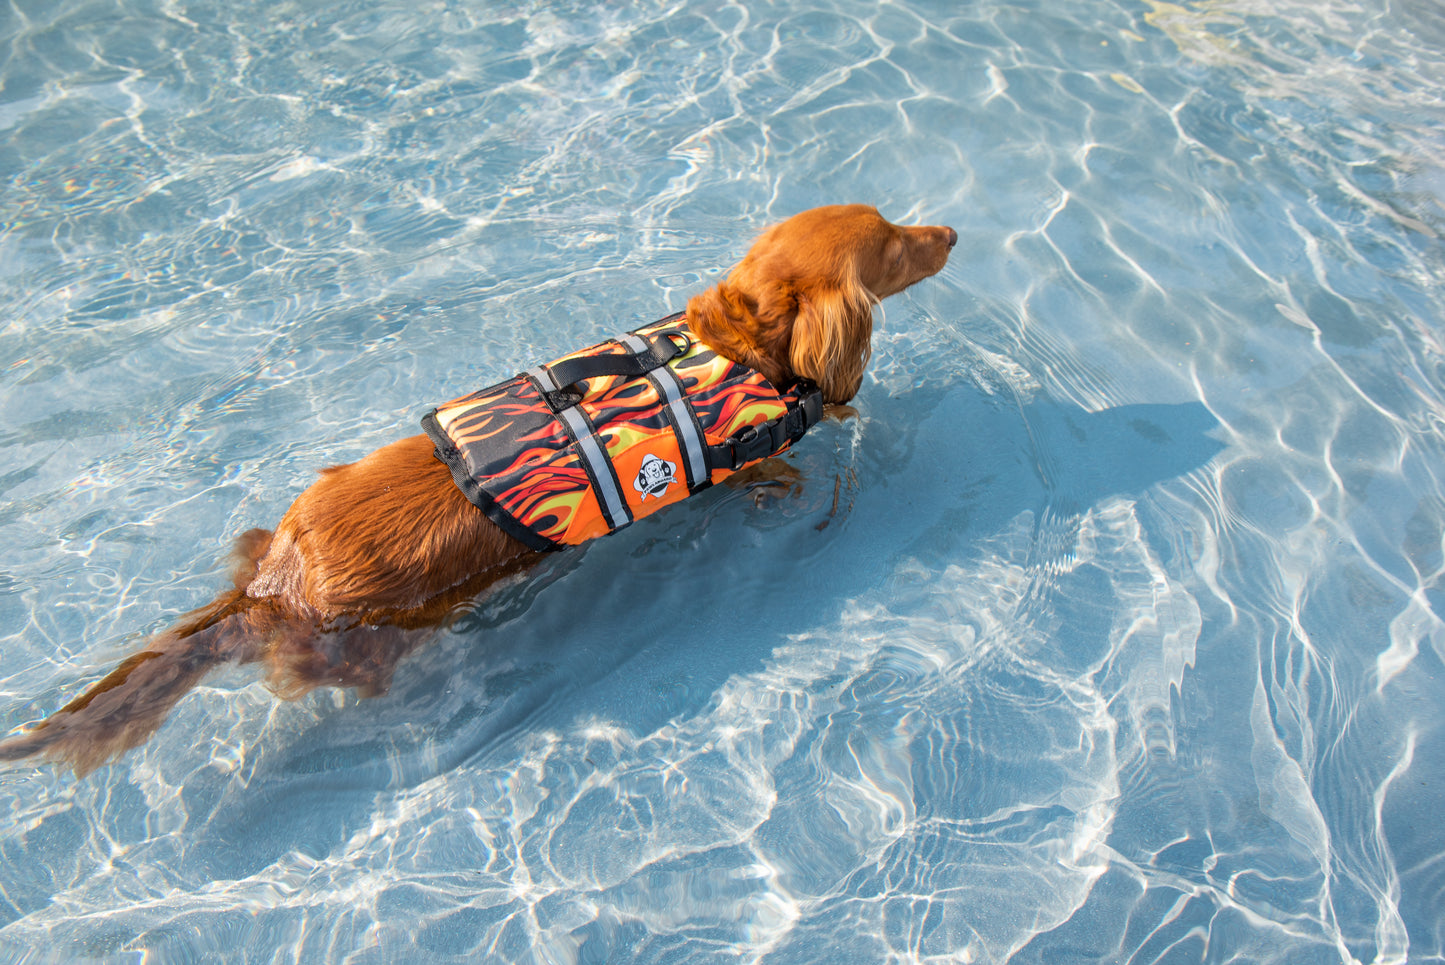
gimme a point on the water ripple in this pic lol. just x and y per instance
(1121, 642)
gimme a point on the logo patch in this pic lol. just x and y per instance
(654, 477)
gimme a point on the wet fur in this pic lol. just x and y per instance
(377, 552)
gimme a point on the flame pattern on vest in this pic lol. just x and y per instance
(528, 468)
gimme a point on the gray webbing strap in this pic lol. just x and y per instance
(599, 467)
(684, 424)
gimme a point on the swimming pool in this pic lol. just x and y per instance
(1124, 643)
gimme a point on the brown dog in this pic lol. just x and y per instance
(379, 550)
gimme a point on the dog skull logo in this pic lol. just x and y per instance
(654, 477)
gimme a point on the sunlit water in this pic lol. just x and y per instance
(1123, 643)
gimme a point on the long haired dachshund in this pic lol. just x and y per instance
(376, 552)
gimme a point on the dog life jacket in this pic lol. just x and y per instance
(582, 446)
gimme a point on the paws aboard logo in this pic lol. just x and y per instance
(654, 477)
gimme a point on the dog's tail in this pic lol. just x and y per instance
(128, 704)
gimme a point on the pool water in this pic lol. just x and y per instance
(1123, 642)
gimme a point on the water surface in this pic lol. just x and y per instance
(1122, 645)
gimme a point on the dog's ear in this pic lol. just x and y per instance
(776, 299)
(747, 322)
(831, 339)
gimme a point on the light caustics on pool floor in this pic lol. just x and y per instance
(1107, 631)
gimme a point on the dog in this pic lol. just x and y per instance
(377, 552)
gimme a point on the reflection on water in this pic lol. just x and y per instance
(1108, 630)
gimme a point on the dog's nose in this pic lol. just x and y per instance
(952, 237)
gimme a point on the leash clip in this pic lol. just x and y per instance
(681, 340)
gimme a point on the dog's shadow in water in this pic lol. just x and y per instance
(646, 625)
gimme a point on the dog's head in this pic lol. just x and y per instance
(800, 304)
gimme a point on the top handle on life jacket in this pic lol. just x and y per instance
(564, 376)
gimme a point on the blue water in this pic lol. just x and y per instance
(1123, 644)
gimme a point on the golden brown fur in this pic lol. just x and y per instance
(376, 552)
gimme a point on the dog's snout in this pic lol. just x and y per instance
(952, 237)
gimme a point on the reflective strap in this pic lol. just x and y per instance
(613, 505)
(599, 467)
(684, 423)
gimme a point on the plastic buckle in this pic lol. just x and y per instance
(759, 441)
(743, 444)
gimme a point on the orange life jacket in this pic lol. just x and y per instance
(582, 446)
